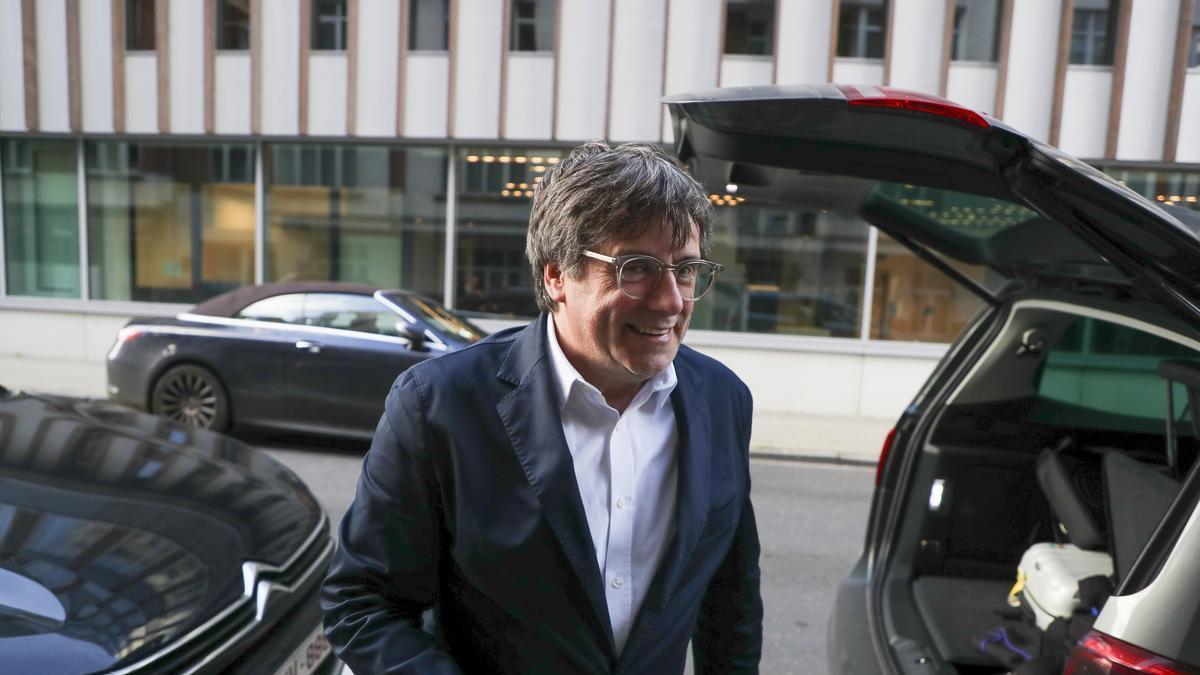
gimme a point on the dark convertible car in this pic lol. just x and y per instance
(133, 544)
(310, 357)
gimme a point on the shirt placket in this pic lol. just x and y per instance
(620, 534)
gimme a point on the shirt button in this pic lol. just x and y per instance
(618, 582)
(623, 502)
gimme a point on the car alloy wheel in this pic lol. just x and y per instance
(191, 395)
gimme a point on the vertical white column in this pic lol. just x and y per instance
(868, 295)
(85, 288)
(451, 229)
(260, 220)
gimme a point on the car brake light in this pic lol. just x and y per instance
(883, 455)
(899, 99)
(1100, 654)
(126, 334)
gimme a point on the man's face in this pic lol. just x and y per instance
(614, 341)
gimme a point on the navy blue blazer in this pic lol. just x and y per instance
(468, 504)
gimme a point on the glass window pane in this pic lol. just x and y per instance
(532, 28)
(1093, 31)
(862, 26)
(495, 191)
(788, 269)
(233, 24)
(977, 30)
(41, 217)
(370, 214)
(139, 25)
(169, 223)
(281, 308)
(329, 25)
(914, 301)
(1112, 369)
(350, 312)
(750, 27)
(1174, 188)
(429, 25)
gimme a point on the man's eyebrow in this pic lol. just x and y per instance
(689, 256)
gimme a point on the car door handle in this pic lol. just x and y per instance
(312, 347)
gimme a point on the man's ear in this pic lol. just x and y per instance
(553, 277)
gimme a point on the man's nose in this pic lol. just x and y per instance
(666, 296)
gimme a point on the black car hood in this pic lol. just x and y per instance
(881, 154)
(120, 531)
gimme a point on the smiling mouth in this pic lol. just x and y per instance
(651, 331)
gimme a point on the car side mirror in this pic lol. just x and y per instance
(416, 339)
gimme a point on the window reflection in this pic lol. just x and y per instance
(1194, 49)
(495, 190)
(1172, 187)
(976, 30)
(233, 24)
(139, 25)
(370, 214)
(862, 26)
(169, 223)
(788, 270)
(329, 25)
(915, 301)
(41, 217)
(750, 27)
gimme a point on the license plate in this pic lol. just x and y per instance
(310, 654)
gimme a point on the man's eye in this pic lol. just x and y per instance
(688, 272)
(639, 268)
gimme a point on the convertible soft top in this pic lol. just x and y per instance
(229, 304)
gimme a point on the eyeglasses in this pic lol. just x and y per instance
(638, 275)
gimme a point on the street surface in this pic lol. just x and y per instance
(811, 520)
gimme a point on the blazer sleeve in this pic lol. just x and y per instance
(384, 574)
(728, 635)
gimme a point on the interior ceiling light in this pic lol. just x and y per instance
(472, 158)
(510, 185)
(529, 193)
(731, 188)
(524, 186)
(539, 168)
(535, 160)
(552, 160)
(505, 159)
(489, 159)
(520, 159)
(504, 193)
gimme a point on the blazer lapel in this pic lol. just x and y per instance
(692, 497)
(530, 414)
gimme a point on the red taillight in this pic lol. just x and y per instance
(887, 97)
(126, 334)
(883, 455)
(1100, 654)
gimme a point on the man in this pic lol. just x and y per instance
(572, 496)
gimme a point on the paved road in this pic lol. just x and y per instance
(811, 520)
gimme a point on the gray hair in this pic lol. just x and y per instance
(599, 194)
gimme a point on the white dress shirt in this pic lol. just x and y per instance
(625, 466)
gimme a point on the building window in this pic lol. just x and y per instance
(977, 30)
(41, 217)
(233, 25)
(1194, 50)
(914, 301)
(329, 25)
(790, 269)
(1093, 31)
(862, 26)
(169, 223)
(363, 213)
(1169, 187)
(429, 25)
(750, 27)
(495, 191)
(139, 25)
(532, 27)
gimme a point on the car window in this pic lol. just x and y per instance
(443, 321)
(346, 311)
(1112, 369)
(280, 308)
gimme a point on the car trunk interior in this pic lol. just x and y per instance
(1061, 387)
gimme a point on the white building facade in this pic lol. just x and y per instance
(154, 153)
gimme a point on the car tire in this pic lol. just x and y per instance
(191, 395)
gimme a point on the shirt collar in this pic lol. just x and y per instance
(568, 378)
